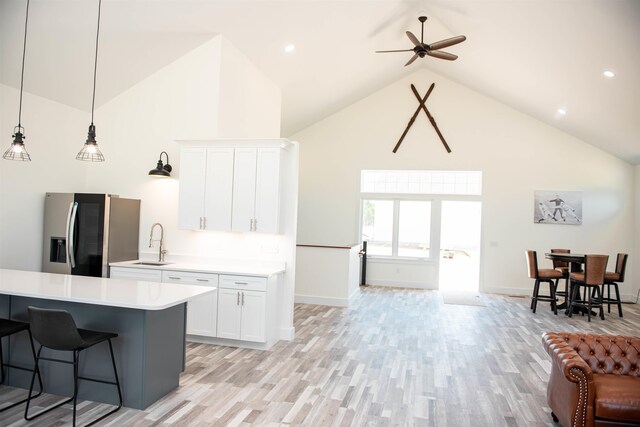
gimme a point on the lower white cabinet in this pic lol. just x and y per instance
(201, 314)
(242, 312)
(244, 308)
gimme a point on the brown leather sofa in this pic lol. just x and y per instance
(595, 379)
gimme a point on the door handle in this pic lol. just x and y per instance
(72, 230)
(243, 298)
(238, 299)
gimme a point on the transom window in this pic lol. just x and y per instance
(421, 182)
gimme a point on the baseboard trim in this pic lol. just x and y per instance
(230, 343)
(330, 301)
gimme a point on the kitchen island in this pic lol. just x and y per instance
(149, 319)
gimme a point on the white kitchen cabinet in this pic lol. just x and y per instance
(256, 190)
(242, 312)
(206, 185)
(202, 311)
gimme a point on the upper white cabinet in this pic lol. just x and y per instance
(228, 188)
(256, 190)
(206, 185)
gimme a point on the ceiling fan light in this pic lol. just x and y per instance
(609, 74)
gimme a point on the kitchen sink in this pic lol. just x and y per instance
(151, 263)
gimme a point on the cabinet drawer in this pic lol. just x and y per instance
(189, 278)
(249, 283)
(135, 274)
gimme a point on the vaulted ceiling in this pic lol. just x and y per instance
(534, 55)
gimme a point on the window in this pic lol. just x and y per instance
(421, 182)
(397, 228)
(377, 226)
(397, 208)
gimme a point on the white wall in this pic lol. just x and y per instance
(516, 153)
(54, 135)
(250, 102)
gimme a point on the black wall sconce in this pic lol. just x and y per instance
(160, 169)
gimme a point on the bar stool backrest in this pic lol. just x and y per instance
(594, 269)
(558, 263)
(621, 265)
(54, 329)
(532, 264)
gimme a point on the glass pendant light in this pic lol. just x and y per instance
(90, 152)
(17, 151)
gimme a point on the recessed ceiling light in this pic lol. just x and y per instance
(289, 48)
(610, 74)
(562, 111)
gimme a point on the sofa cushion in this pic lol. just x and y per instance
(617, 397)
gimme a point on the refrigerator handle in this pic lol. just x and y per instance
(71, 225)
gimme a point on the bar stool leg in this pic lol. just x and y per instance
(574, 295)
(76, 360)
(534, 299)
(589, 305)
(552, 291)
(600, 294)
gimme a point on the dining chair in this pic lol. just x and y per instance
(612, 279)
(563, 267)
(591, 279)
(548, 275)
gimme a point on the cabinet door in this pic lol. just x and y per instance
(244, 189)
(192, 187)
(201, 311)
(219, 189)
(229, 313)
(254, 305)
(267, 190)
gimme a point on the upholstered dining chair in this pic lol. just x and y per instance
(548, 275)
(563, 267)
(591, 279)
(612, 279)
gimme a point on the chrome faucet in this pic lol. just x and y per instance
(161, 250)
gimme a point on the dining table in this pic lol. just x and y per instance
(575, 265)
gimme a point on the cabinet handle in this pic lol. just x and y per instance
(202, 280)
(255, 224)
(175, 278)
(200, 223)
(241, 283)
(204, 222)
(238, 299)
(243, 298)
(251, 224)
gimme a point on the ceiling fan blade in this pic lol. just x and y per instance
(447, 42)
(387, 51)
(413, 39)
(413, 58)
(442, 55)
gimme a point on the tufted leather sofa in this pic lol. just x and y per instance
(595, 379)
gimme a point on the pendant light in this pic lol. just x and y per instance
(90, 152)
(17, 151)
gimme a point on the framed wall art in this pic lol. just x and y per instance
(558, 207)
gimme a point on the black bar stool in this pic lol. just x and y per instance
(56, 330)
(8, 328)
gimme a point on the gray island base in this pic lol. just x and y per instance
(149, 351)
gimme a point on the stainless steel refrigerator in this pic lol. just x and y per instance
(84, 232)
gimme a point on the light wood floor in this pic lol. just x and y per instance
(396, 357)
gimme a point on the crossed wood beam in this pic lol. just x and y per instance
(424, 108)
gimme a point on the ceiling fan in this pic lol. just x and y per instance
(422, 49)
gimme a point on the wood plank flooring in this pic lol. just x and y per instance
(396, 357)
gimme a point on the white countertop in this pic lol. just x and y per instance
(236, 267)
(97, 290)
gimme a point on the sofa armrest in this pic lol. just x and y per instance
(562, 349)
(571, 379)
